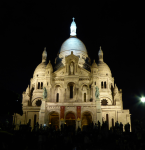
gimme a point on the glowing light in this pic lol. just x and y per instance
(143, 99)
(73, 28)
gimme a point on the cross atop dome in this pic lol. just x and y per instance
(73, 28)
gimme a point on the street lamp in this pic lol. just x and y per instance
(142, 99)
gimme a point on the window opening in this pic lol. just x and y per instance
(84, 97)
(41, 85)
(104, 102)
(105, 85)
(71, 91)
(38, 85)
(57, 97)
(102, 85)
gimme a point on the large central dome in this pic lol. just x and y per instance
(73, 44)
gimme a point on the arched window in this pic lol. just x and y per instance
(102, 84)
(105, 85)
(71, 91)
(41, 85)
(84, 97)
(57, 97)
(38, 85)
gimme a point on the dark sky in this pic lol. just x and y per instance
(27, 27)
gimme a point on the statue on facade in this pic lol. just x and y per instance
(97, 92)
(44, 93)
(71, 68)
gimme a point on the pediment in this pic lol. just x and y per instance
(60, 72)
(83, 72)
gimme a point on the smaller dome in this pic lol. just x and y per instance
(40, 70)
(94, 65)
(103, 69)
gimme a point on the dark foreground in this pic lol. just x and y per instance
(93, 138)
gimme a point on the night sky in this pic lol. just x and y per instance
(118, 27)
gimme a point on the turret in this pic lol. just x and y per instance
(49, 68)
(94, 68)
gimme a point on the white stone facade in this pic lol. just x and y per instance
(72, 84)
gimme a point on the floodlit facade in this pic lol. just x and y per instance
(71, 86)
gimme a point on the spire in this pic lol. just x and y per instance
(100, 54)
(73, 28)
(44, 55)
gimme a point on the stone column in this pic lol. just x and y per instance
(42, 112)
(99, 111)
(48, 95)
(93, 93)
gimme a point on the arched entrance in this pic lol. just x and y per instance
(86, 120)
(54, 120)
(70, 120)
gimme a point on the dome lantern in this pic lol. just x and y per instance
(44, 55)
(100, 54)
(73, 28)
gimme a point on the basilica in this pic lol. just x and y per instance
(66, 92)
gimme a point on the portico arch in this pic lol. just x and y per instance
(86, 119)
(70, 119)
(54, 119)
